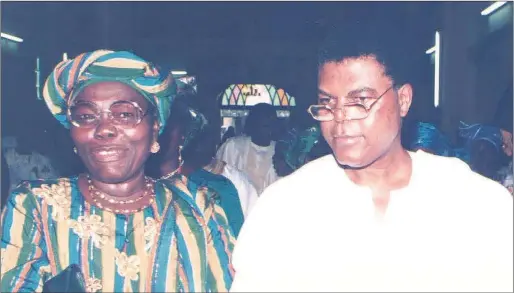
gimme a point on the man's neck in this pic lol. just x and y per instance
(390, 172)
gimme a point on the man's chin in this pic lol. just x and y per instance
(351, 162)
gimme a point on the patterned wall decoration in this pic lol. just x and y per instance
(244, 95)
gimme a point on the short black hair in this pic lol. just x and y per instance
(357, 40)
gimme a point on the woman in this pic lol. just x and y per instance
(187, 148)
(127, 232)
(6, 181)
(484, 145)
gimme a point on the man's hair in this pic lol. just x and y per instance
(355, 41)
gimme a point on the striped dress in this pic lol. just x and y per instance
(181, 243)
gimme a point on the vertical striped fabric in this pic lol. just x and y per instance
(182, 243)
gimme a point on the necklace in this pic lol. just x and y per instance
(100, 196)
(169, 175)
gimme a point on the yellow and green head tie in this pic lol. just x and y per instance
(71, 76)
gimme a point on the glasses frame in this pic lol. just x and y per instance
(367, 108)
(99, 114)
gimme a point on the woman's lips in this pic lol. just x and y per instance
(108, 154)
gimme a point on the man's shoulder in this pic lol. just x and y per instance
(456, 175)
(237, 140)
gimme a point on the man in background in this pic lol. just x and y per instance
(252, 154)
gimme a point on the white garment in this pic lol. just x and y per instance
(449, 230)
(246, 191)
(253, 160)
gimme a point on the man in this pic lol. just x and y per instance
(372, 216)
(253, 154)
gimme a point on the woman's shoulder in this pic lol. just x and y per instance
(49, 191)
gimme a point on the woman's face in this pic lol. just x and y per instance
(113, 152)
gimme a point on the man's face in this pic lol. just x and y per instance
(262, 126)
(359, 143)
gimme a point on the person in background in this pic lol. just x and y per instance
(296, 149)
(252, 154)
(26, 164)
(373, 216)
(236, 192)
(231, 132)
(503, 120)
(428, 138)
(6, 182)
(483, 143)
(187, 149)
(125, 231)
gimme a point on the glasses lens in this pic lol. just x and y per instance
(125, 113)
(321, 113)
(84, 114)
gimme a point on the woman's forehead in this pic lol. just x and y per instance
(108, 92)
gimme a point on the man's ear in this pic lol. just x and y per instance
(405, 93)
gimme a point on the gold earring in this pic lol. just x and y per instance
(180, 154)
(75, 150)
(155, 148)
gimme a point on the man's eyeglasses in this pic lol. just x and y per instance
(121, 113)
(355, 108)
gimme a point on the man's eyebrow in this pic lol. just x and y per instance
(322, 92)
(352, 93)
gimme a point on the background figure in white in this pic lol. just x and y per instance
(245, 189)
(26, 165)
(252, 154)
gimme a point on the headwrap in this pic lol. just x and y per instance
(297, 145)
(428, 137)
(198, 123)
(474, 132)
(71, 76)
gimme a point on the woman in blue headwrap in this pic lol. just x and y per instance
(427, 137)
(297, 148)
(484, 145)
(123, 230)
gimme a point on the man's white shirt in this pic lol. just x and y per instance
(450, 229)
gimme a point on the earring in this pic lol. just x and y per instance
(155, 148)
(75, 150)
(180, 154)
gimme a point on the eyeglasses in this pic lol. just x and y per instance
(358, 107)
(121, 113)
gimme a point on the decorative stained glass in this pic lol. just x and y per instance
(241, 95)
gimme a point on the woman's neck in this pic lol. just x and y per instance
(131, 187)
(169, 163)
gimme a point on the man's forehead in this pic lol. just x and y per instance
(352, 74)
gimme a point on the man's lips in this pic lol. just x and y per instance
(346, 140)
